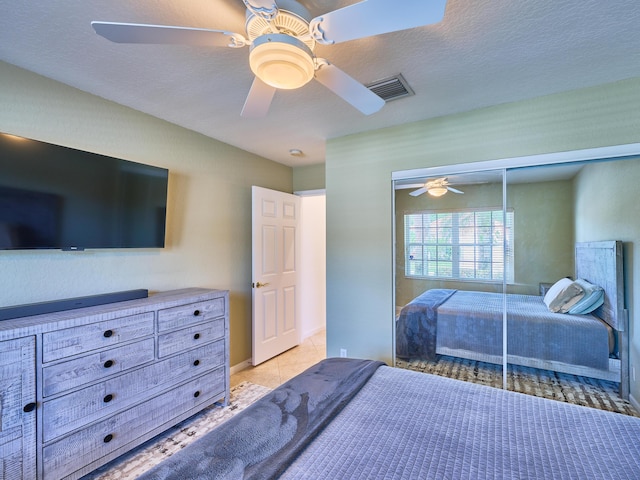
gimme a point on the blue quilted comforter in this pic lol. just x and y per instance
(260, 442)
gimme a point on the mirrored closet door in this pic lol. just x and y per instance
(520, 278)
(573, 246)
(454, 257)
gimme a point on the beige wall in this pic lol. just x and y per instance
(359, 213)
(209, 211)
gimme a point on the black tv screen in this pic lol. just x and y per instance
(61, 198)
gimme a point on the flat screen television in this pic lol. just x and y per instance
(54, 197)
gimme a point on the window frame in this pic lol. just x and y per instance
(455, 257)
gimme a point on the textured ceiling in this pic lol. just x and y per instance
(484, 52)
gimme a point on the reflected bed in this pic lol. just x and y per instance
(469, 324)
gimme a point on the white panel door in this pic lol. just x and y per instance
(275, 269)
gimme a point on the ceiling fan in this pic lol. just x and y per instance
(435, 188)
(282, 42)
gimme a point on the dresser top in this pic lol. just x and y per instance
(16, 327)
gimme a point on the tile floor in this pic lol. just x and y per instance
(278, 370)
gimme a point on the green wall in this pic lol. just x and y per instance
(607, 208)
(208, 241)
(544, 237)
(308, 177)
(360, 283)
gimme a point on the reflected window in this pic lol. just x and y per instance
(470, 244)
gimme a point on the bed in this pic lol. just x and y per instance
(469, 324)
(360, 419)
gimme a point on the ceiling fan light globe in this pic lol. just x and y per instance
(437, 191)
(281, 61)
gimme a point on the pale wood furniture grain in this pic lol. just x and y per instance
(102, 380)
(17, 408)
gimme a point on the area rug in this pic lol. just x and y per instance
(132, 464)
(575, 389)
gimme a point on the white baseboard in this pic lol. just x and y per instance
(312, 332)
(240, 366)
(634, 403)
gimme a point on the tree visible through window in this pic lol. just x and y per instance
(460, 244)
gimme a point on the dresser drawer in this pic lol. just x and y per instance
(75, 410)
(85, 338)
(85, 446)
(184, 315)
(173, 342)
(83, 370)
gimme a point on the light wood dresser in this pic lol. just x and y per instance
(80, 387)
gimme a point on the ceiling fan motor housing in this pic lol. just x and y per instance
(292, 19)
(282, 49)
(281, 61)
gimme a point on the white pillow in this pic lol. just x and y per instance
(555, 290)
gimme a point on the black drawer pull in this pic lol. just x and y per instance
(196, 363)
(29, 407)
(197, 394)
(107, 333)
(108, 438)
(109, 364)
(196, 336)
(107, 398)
(196, 313)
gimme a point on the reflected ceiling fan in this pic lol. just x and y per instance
(282, 42)
(436, 188)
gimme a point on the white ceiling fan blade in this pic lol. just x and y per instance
(259, 99)
(375, 17)
(420, 191)
(347, 88)
(260, 4)
(451, 189)
(266, 9)
(163, 34)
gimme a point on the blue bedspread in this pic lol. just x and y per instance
(459, 321)
(417, 324)
(405, 425)
(264, 439)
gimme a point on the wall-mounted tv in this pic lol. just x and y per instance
(60, 198)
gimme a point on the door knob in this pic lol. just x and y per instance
(258, 285)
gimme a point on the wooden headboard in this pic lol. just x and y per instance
(600, 263)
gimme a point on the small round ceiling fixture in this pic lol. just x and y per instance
(295, 152)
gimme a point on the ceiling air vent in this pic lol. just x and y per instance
(391, 88)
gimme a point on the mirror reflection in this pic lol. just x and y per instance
(527, 262)
(450, 255)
